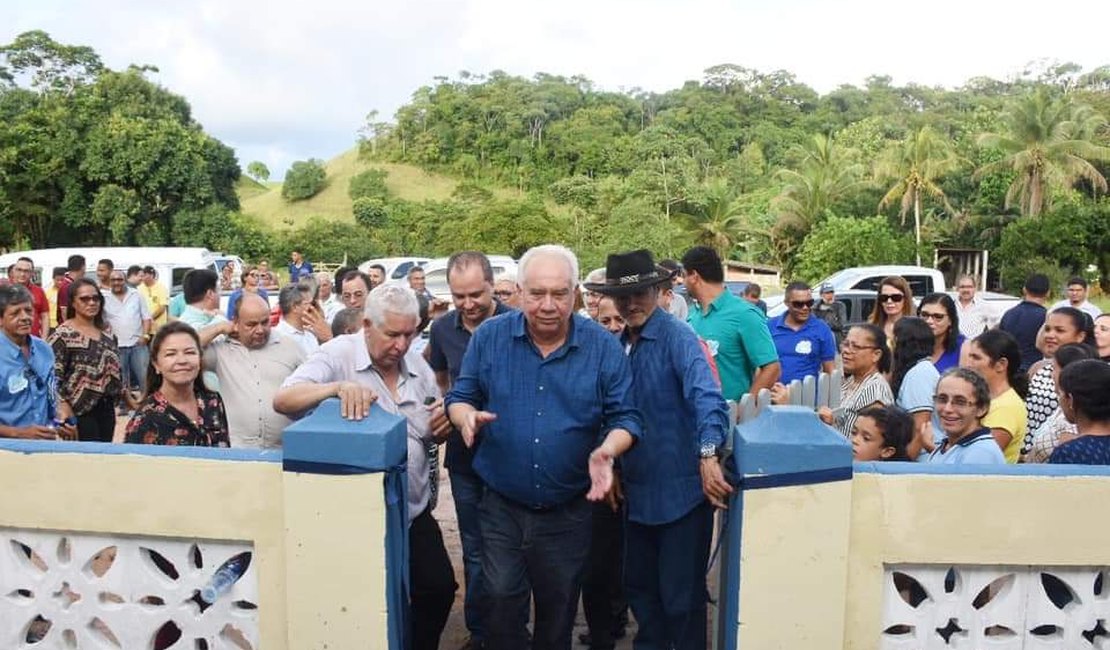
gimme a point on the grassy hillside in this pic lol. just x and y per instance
(405, 181)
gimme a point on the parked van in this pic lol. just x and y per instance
(171, 263)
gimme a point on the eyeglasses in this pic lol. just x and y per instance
(801, 304)
(854, 347)
(503, 294)
(933, 316)
(891, 297)
(957, 401)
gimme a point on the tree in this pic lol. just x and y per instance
(369, 184)
(716, 219)
(258, 171)
(825, 174)
(840, 242)
(915, 165)
(303, 180)
(370, 212)
(1049, 143)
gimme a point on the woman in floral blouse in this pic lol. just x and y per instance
(177, 409)
(86, 362)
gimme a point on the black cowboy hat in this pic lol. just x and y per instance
(630, 272)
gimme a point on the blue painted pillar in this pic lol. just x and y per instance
(785, 540)
(346, 530)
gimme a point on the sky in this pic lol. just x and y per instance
(281, 81)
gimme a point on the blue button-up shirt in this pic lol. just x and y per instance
(551, 412)
(683, 412)
(27, 384)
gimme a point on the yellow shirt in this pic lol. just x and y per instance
(1008, 413)
(156, 296)
(52, 298)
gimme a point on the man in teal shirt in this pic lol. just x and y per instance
(734, 329)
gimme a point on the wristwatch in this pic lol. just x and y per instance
(708, 451)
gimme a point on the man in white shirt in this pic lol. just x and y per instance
(974, 319)
(129, 316)
(329, 300)
(292, 302)
(1077, 297)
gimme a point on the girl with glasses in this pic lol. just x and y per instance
(938, 310)
(87, 364)
(962, 400)
(893, 300)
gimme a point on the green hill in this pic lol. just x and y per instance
(404, 181)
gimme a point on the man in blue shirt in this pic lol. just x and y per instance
(805, 345)
(29, 387)
(299, 267)
(470, 278)
(1024, 320)
(537, 391)
(670, 474)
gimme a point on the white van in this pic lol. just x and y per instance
(171, 263)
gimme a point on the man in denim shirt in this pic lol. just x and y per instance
(537, 427)
(673, 477)
(28, 387)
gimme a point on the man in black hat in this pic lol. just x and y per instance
(672, 478)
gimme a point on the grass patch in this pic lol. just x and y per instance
(404, 181)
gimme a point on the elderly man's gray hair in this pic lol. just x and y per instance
(290, 296)
(392, 298)
(549, 251)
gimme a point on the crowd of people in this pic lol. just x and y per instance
(582, 431)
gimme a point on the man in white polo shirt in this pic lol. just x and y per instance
(129, 316)
(292, 303)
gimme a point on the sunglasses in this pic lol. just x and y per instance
(891, 297)
(933, 316)
(503, 294)
(801, 304)
(88, 299)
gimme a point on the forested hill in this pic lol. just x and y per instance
(763, 167)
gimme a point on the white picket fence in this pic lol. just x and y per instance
(814, 392)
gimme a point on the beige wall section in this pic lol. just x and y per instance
(988, 520)
(324, 611)
(158, 496)
(792, 566)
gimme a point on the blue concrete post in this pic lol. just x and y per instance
(343, 525)
(785, 537)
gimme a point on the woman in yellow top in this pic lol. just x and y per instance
(995, 355)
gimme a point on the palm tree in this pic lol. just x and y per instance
(825, 174)
(716, 220)
(1049, 143)
(915, 165)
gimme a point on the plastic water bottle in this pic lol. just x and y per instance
(224, 577)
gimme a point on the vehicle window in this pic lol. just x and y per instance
(178, 276)
(920, 284)
(436, 281)
(848, 313)
(868, 284)
(401, 270)
(866, 306)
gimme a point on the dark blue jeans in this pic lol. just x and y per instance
(466, 489)
(133, 362)
(664, 580)
(541, 554)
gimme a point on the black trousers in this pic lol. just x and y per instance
(432, 582)
(99, 424)
(602, 589)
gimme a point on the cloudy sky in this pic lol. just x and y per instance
(285, 80)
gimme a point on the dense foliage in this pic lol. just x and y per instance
(92, 155)
(304, 180)
(755, 163)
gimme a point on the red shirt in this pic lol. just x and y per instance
(63, 296)
(41, 306)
